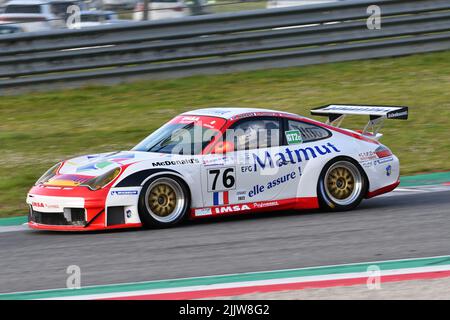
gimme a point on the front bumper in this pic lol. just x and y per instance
(71, 209)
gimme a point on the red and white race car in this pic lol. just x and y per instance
(220, 161)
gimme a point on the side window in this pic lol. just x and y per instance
(254, 134)
(298, 132)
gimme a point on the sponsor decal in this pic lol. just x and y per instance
(241, 195)
(245, 169)
(257, 189)
(383, 160)
(256, 114)
(189, 119)
(244, 115)
(175, 162)
(366, 164)
(209, 122)
(369, 155)
(202, 212)
(128, 213)
(398, 114)
(210, 125)
(388, 170)
(265, 204)
(44, 205)
(219, 161)
(294, 156)
(124, 193)
(219, 210)
(359, 108)
(219, 112)
(293, 137)
(228, 209)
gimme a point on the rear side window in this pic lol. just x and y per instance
(306, 132)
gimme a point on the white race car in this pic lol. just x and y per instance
(220, 161)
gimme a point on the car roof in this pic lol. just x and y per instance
(233, 112)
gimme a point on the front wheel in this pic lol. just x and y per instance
(342, 185)
(164, 202)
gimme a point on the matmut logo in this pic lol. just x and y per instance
(228, 209)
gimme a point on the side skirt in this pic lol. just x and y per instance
(260, 206)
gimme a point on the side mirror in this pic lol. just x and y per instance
(223, 147)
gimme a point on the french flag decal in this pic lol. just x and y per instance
(220, 198)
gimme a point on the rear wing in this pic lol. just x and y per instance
(377, 114)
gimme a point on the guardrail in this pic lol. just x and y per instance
(221, 43)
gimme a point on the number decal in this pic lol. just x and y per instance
(228, 178)
(216, 174)
(221, 179)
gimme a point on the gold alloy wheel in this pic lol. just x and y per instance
(343, 183)
(340, 183)
(162, 200)
(165, 200)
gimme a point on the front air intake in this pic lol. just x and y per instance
(70, 216)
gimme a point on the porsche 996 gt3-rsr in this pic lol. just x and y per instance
(221, 161)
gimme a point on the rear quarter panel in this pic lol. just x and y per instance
(380, 172)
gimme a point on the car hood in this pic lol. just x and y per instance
(97, 164)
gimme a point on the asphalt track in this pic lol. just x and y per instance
(410, 225)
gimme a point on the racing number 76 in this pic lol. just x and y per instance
(221, 179)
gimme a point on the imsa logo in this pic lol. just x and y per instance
(229, 209)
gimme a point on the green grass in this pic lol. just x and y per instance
(234, 6)
(219, 6)
(37, 130)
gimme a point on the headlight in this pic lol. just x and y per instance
(101, 181)
(49, 174)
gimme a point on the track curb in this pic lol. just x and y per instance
(187, 288)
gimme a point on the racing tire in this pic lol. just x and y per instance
(164, 202)
(342, 185)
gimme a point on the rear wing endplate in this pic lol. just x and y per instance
(377, 114)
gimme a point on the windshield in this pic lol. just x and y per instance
(185, 135)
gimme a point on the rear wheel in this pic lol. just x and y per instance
(342, 185)
(164, 202)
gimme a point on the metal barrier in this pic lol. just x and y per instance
(221, 43)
